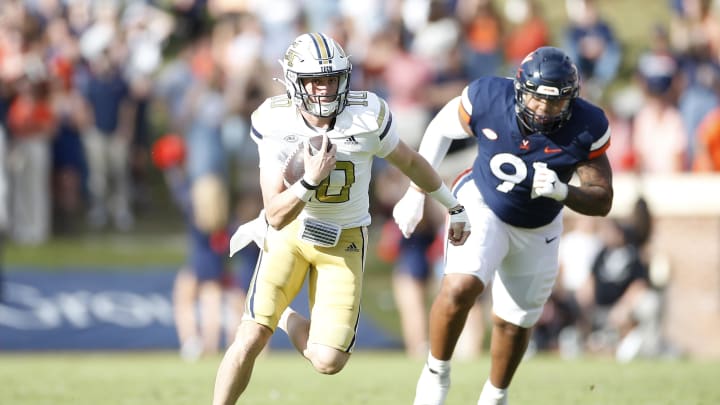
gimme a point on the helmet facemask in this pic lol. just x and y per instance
(320, 105)
(542, 123)
(316, 55)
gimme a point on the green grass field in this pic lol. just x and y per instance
(370, 378)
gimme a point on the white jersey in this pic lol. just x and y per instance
(363, 130)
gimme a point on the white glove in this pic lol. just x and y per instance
(458, 234)
(547, 184)
(408, 212)
(253, 231)
(461, 216)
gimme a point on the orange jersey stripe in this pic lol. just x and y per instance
(460, 176)
(596, 153)
(464, 116)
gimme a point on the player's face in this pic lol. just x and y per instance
(319, 86)
(543, 108)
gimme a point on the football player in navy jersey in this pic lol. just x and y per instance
(533, 133)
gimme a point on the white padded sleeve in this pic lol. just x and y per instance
(442, 130)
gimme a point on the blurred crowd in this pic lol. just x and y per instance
(88, 86)
(610, 296)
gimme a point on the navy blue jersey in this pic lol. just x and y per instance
(503, 169)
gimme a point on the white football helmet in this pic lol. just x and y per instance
(316, 55)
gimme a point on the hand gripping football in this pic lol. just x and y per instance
(294, 167)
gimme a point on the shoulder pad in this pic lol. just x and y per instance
(271, 113)
(483, 92)
(590, 129)
(365, 112)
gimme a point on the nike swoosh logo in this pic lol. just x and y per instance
(552, 150)
(548, 240)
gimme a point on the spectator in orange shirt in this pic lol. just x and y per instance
(707, 156)
(530, 31)
(483, 33)
(31, 124)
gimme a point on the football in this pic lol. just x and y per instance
(294, 167)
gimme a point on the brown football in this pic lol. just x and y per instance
(294, 167)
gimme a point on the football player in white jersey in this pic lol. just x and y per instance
(316, 228)
(533, 133)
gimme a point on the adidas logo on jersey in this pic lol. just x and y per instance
(351, 140)
(352, 247)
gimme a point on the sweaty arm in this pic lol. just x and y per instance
(594, 196)
(421, 173)
(281, 204)
(447, 125)
(415, 167)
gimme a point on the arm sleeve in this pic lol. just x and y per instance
(440, 133)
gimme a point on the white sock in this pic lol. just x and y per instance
(440, 366)
(492, 395)
(282, 323)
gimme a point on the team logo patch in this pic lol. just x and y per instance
(525, 144)
(490, 134)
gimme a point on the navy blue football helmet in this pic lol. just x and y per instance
(546, 73)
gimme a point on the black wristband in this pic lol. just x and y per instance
(308, 185)
(457, 210)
